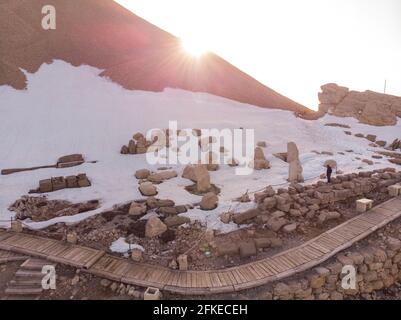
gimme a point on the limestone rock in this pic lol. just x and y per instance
(147, 189)
(202, 178)
(142, 174)
(154, 227)
(209, 201)
(137, 209)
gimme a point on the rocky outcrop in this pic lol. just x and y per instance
(368, 107)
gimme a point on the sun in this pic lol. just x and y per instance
(195, 47)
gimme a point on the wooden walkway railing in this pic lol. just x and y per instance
(232, 279)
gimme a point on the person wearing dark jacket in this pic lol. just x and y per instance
(328, 173)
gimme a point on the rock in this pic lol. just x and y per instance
(174, 221)
(189, 173)
(233, 162)
(72, 182)
(45, 185)
(262, 144)
(371, 137)
(71, 158)
(173, 264)
(369, 162)
(225, 217)
(281, 156)
(147, 189)
(227, 248)
(138, 136)
(105, 283)
(182, 262)
(124, 150)
(72, 237)
(75, 280)
(162, 176)
(325, 216)
(262, 243)
(247, 249)
(202, 178)
(142, 174)
(58, 183)
(136, 255)
(368, 107)
(154, 227)
(131, 147)
(295, 172)
(260, 161)
(289, 228)
(209, 201)
(137, 209)
(381, 143)
(243, 217)
(276, 224)
(83, 181)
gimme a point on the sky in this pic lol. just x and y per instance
(291, 46)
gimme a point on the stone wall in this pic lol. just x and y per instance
(377, 267)
(368, 107)
(317, 202)
(59, 183)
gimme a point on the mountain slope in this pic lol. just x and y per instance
(131, 51)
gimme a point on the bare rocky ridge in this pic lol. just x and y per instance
(131, 51)
(368, 107)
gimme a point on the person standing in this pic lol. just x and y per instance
(328, 173)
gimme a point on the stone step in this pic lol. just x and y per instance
(25, 291)
(28, 274)
(34, 264)
(26, 282)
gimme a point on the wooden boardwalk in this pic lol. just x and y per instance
(232, 279)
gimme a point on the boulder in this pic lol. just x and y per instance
(174, 221)
(202, 178)
(142, 174)
(276, 224)
(137, 209)
(83, 181)
(58, 183)
(289, 228)
(147, 189)
(45, 186)
(189, 173)
(260, 161)
(209, 201)
(247, 249)
(154, 227)
(131, 147)
(136, 255)
(243, 217)
(124, 150)
(72, 182)
(162, 176)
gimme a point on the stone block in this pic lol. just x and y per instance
(152, 294)
(362, 205)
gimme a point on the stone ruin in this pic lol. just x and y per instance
(59, 183)
(42, 209)
(297, 203)
(260, 162)
(137, 145)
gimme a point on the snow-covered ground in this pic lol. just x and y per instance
(70, 109)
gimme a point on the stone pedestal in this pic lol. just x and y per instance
(72, 238)
(152, 294)
(363, 205)
(136, 255)
(394, 190)
(183, 262)
(16, 226)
